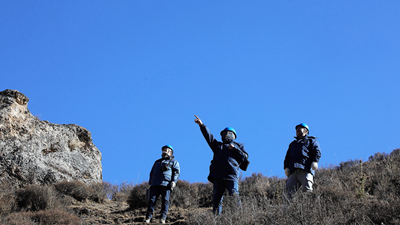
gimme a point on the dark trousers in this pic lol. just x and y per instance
(155, 191)
(218, 193)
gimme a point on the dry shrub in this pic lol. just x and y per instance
(122, 191)
(204, 193)
(184, 195)
(120, 197)
(21, 218)
(35, 197)
(137, 195)
(43, 217)
(99, 191)
(108, 189)
(255, 185)
(77, 190)
(7, 198)
(55, 216)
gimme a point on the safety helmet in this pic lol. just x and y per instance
(167, 146)
(302, 125)
(229, 129)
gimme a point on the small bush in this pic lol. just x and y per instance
(35, 197)
(122, 191)
(255, 185)
(76, 189)
(108, 189)
(204, 194)
(137, 195)
(120, 197)
(99, 191)
(184, 194)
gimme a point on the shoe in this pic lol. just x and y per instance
(162, 221)
(148, 220)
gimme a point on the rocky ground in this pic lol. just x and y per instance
(112, 212)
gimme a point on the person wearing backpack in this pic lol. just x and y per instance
(301, 157)
(229, 156)
(163, 177)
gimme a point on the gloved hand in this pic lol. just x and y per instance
(314, 165)
(173, 185)
(287, 172)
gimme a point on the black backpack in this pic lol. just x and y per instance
(245, 163)
(243, 166)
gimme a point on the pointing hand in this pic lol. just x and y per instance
(198, 121)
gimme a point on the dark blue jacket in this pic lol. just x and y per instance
(158, 177)
(301, 153)
(226, 162)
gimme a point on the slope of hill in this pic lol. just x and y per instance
(353, 192)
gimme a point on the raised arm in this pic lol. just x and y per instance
(212, 142)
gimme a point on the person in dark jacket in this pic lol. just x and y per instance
(224, 168)
(302, 156)
(163, 177)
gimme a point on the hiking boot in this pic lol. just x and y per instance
(148, 220)
(162, 221)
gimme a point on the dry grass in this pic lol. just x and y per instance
(44, 217)
(354, 192)
(81, 191)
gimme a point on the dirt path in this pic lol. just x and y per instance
(112, 212)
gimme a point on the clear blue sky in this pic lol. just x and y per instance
(134, 73)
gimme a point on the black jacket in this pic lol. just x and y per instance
(301, 153)
(226, 162)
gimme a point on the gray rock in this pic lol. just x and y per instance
(39, 152)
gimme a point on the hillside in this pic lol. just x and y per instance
(353, 192)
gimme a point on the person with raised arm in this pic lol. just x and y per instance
(229, 156)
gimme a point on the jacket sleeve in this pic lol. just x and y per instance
(316, 151)
(176, 171)
(211, 141)
(151, 173)
(287, 159)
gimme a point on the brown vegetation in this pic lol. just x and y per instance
(353, 192)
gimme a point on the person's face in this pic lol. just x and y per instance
(301, 132)
(167, 151)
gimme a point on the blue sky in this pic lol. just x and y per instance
(134, 73)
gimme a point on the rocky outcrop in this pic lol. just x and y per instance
(35, 151)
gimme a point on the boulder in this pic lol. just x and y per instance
(33, 151)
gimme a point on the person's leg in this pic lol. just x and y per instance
(306, 180)
(232, 186)
(154, 192)
(292, 183)
(165, 202)
(218, 192)
(233, 189)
